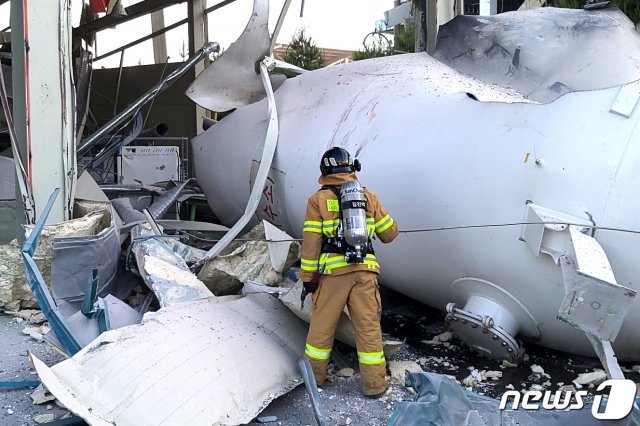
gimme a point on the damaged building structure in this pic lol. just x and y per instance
(151, 216)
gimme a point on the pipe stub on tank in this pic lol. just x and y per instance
(490, 320)
(491, 335)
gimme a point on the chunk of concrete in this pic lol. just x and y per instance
(398, 369)
(594, 378)
(40, 395)
(44, 418)
(346, 372)
(249, 261)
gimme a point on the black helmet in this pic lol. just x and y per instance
(338, 160)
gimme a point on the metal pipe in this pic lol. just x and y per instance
(152, 222)
(115, 103)
(161, 31)
(207, 49)
(140, 40)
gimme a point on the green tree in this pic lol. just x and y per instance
(404, 39)
(303, 52)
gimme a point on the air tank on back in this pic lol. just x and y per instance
(444, 149)
(354, 220)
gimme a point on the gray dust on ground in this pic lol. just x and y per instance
(16, 406)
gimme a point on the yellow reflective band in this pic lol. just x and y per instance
(371, 229)
(316, 353)
(333, 205)
(312, 226)
(371, 358)
(309, 265)
(329, 227)
(328, 264)
(384, 224)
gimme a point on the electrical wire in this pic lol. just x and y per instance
(413, 231)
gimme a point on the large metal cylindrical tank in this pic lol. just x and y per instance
(442, 149)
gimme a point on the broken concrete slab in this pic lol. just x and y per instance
(241, 354)
(43, 329)
(14, 290)
(250, 261)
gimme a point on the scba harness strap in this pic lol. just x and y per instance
(337, 243)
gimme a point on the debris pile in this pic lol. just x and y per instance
(247, 259)
(15, 293)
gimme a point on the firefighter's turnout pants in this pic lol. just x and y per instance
(358, 290)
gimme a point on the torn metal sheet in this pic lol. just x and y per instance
(266, 160)
(163, 271)
(185, 364)
(74, 326)
(14, 290)
(231, 80)
(74, 258)
(280, 248)
(130, 216)
(544, 53)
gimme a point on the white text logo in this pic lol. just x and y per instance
(618, 406)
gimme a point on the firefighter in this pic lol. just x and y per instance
(339, 270)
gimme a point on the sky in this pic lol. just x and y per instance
(340, 24)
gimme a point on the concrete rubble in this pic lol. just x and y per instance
(42, 395)
(247, 261)
(33, 316)
(399, 368)
(590, 379)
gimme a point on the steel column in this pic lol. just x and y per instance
(43, 100)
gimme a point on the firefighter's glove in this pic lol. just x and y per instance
(310, 287)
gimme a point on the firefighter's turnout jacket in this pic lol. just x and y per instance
(322, 218)
(342, 283)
